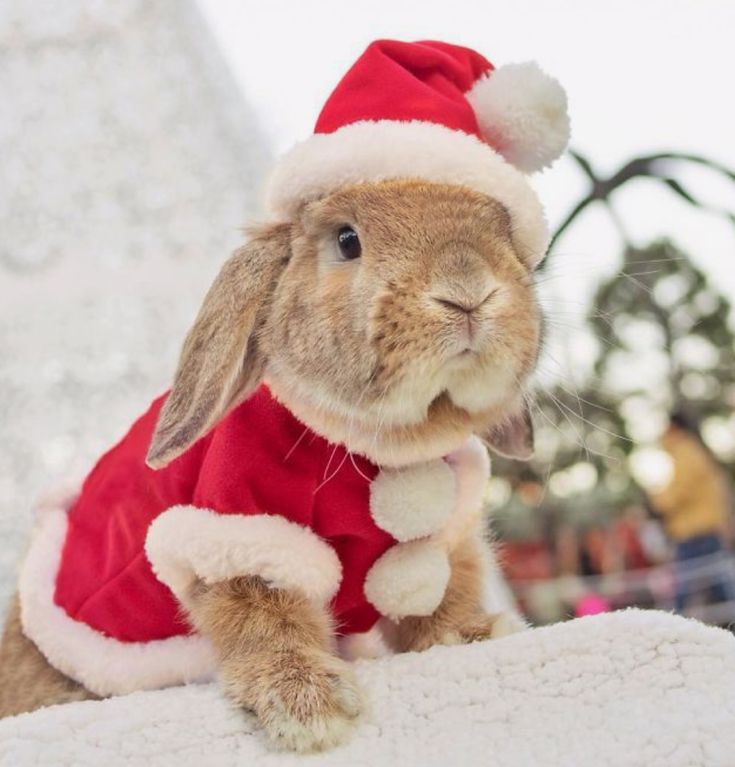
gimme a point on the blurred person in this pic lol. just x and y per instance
(629, 549)
(650, 534)
(695, 508)
(600, 551)
(568, 550)
(640, 539)
(640, 543)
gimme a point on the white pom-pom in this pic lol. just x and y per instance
(522, 112)
(415, 501)
(409, 579)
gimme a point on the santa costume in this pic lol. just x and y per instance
(262, 494)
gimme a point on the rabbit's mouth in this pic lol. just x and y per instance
(399, 430)
(445, 428)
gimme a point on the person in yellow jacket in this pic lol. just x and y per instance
(695, 508)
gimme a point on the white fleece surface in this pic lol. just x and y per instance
(624, 689)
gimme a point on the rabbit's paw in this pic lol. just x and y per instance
(483, 626)
(313, 704)
(507, 623)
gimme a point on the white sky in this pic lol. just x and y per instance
(641, 75)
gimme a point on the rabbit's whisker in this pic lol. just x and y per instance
(296, 444)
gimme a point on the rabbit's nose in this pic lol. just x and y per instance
(454, 305)
(464, 305)
(461, 279)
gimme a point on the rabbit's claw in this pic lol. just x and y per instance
(315, 710)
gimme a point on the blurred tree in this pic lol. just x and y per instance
(663, 340)
(660, 167)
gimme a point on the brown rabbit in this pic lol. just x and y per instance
(377, 326)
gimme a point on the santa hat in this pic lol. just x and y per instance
(437, 112)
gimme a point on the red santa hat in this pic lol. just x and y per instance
(439, 112)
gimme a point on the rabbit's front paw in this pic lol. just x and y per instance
(507, 623)
(484, 626)
(313, 703)
(481, 627)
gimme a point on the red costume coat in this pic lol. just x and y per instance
(261, 494)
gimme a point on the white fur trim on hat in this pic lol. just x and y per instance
(415, 501)
(104, 665)
(185, 543)
(409, 579)
(522, 112)
(387, 149)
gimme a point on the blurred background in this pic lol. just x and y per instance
(135, 137)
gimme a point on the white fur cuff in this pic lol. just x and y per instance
(185, 543)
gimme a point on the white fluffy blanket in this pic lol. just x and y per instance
(632, 688)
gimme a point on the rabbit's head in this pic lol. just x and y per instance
(396, 317)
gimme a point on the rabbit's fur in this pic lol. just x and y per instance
(363, 352)
(369, 353)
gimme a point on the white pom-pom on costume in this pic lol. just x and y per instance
(415, 501)
(522, 112)
(409, 579)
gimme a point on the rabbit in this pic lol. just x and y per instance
(310, 490)
(420, 333)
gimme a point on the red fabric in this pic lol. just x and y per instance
(407, 81)
(249, 464)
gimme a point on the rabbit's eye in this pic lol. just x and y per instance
(348, 243)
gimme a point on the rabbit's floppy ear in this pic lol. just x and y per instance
(512, 437)
(221, 361)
